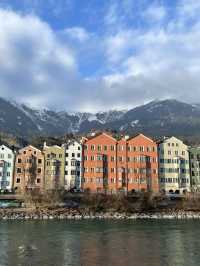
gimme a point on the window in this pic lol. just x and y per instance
(73, 172)
(85, 147)
(120, 158)
(79, 148)
(85, 158)
(38, 180)
(8, 173)
(39, 161)
(18, 180)
(24, 152)
(86, 170)
(92, 170)
(66, 163)
(92, 147)
(99, 148)
(78, 155)
(112, 147)
(99, 170)
(99, 157)
(2, 156)
(141, 148)
(105, 148)
(9, 156)
(148, 149)
(66, 154)
(19, 170)
(73, 163)
(39, 170)
(112, 170)
(112, 158)
(73, 155)
(19, 160)
(60, 155)
(92, 158)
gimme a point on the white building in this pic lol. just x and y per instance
(174, 169)
(7, 161)
(73, 164)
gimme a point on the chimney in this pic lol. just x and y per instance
(126, 137)
(45, 145)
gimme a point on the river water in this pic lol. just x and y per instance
(91, 243)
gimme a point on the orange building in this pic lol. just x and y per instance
(29, 169)
(126, 164)
(142, 164)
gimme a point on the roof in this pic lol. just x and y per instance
(99, 134)
(29, 146)
(142, 135)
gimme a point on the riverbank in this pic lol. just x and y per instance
(71, 214)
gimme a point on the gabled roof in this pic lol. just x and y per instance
(31, 147)
(166, 139)
(99, 134)
(6, 147)
(142, 135)
(52, 146)
(71, 141)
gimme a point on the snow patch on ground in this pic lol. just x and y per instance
(134, 123)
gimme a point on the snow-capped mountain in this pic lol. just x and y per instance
(165, 117)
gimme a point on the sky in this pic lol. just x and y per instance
(97, 55)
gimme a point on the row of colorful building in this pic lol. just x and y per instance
(102, 163)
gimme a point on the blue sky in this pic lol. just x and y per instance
(92, 55)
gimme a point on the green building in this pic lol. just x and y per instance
(195, 168)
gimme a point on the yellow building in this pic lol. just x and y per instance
(54, 167)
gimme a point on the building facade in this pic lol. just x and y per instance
(126, 164)
(99, 163)
(7, 161)
(174, 170)
(194, 154)
(54, 167)
(73, 164)
(142, 164)
(29, 169)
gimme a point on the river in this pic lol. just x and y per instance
(90, 243)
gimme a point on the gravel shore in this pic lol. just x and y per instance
(71, 214)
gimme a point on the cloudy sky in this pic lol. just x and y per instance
(94, 55)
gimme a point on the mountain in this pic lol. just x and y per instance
(167, 117)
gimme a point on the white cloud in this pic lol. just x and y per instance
(157, 62)
(33, 63)
(155, 13)
(138, 64)
(77, 33)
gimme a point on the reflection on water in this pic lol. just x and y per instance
(58, 243)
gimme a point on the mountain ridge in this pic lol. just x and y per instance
(158, 117)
